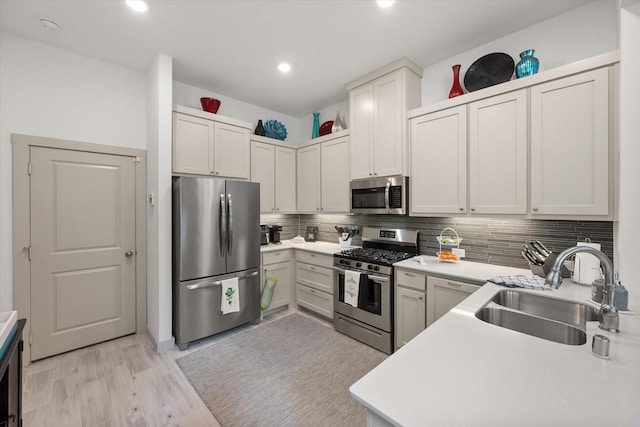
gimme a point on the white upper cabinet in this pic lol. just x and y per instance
(378, 105)
(207, 144)
(274, 167)
(498, 154)
(439, 162)
(570, 145)
(323, 175)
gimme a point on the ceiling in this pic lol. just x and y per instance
(233, 47)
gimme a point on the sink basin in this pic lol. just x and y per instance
(570, 312)
(547, 329)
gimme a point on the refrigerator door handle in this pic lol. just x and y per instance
(223, 224)
(217, 282)
(230, 240)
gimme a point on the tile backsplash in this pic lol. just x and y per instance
(486, 240)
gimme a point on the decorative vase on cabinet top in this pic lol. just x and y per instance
(528, 64)
(316, 125)
(260, 130)
(456, 88)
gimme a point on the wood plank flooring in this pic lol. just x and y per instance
(123, 382)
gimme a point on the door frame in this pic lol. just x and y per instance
(21, 145)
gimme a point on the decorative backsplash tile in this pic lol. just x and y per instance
(486, 240)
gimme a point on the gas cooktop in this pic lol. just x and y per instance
(372, 255)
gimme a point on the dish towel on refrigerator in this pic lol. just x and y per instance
(230, 300)
(351, 287)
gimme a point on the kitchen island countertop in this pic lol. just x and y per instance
(463, 371)
(326, 248)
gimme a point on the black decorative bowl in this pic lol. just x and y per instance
(491, 69)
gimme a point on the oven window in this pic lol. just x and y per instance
(363, 198)
(369, 294)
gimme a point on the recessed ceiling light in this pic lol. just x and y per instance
(284, 67)
(137, 5)
(49, 24)
(385, 3)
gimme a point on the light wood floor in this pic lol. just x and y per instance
(123, 382)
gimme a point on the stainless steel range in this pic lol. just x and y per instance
(363, 285)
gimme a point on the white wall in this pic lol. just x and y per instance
(578, 34)
(628, 228)
(159, 284)
(50, 92)
(189, 96)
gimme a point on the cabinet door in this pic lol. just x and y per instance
(262, 172)
(388, 124)
(192, 145)
(410, 315)
(309, 179)
(335, 176)
(232, 151)
(443, 295)
(439, 162)
(282, 292)
(361, 131)
(285, 180)
(498, 154)
(570, 145)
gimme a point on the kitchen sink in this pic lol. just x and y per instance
(540, 327)
(570, 312)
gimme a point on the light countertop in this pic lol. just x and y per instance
(463, 371)
(326, 248)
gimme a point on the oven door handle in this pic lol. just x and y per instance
(370, 276)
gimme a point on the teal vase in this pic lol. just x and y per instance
(316, 125)
(528, 64)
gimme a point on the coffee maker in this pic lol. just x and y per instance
(274, 233)
(264, 234)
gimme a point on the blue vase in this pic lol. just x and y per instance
(528, 64)
(316, 125)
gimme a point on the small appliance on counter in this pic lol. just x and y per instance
(274, 233)
(264, 234)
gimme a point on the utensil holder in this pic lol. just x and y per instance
(344, 244)
(543, 270)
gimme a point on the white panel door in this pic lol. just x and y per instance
(361, 131)
(443, 295)
(83, 249)
(498, 154)
(570, 145)
(285, 180)
(308, 161)
(192, 145)
(335, 176)
(232, 151)
(262, 172)
(388, 123)
(410, 315)
(439, 162)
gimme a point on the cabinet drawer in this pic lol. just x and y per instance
(273, 257)
(316, 277)
(410, 279)
(315, 259)
(314, 300)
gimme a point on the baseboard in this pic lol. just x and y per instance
(162, 345)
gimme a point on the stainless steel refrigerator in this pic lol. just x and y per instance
(216, 236)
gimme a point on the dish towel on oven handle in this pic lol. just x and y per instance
(230, 298)
(518, 281)
(351, 287)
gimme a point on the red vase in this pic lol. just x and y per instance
(456, 89)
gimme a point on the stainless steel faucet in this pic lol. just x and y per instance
(608, 314)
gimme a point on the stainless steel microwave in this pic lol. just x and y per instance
(384, 195)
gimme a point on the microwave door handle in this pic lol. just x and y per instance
(386, 197)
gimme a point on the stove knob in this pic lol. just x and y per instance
(376, 268)
(370, 267)
(358, 264)
(342, 261)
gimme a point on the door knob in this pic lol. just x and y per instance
(128, 254)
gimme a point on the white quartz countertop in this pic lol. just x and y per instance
(462, 371)
(326, 248)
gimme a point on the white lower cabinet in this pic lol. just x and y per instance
(314, 283)
(278, 264)
(444, 294)
(410, 305)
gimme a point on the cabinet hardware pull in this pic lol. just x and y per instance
(473, 209)
(535, 209)
(420, 297)
(410, 274)
(461, 209)
(457, 285)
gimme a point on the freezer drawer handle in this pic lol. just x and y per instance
(217, 283)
